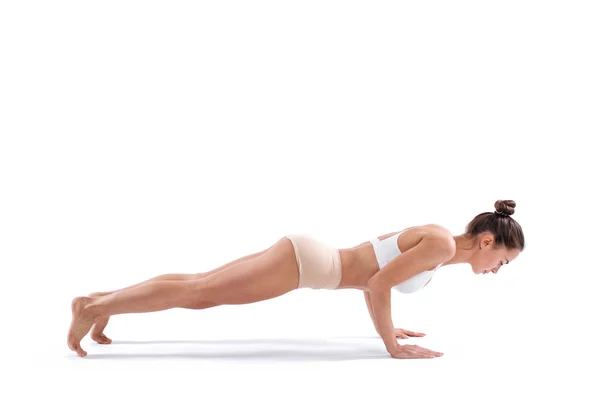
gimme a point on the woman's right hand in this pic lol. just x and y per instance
(412, 351)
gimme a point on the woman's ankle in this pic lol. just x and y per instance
(95, 308)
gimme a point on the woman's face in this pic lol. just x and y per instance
(488, 258)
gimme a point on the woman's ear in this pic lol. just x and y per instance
(486, 240)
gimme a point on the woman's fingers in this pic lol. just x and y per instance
(414, 351)
(399, 333)
(409, 333)
(423, 351)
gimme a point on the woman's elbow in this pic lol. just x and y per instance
(375, 284)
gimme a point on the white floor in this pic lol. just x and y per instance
(265, 351)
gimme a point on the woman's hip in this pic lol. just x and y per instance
(319, 265)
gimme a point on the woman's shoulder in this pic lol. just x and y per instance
(413, 235)
(442, 233)
(437, 229)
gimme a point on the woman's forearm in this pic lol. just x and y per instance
(382, 316)
(370, 308)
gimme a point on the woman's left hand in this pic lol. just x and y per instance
(404, 334)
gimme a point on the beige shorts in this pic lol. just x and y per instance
(319, 265)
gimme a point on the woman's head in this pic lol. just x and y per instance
(498, 236)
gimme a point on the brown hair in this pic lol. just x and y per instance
(507, 232)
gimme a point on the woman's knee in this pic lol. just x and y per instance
(199, 305)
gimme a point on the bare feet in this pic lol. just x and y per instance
(98, 330)
(80, 324)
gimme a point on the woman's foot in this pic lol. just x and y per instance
(97, 333)
(81, 323)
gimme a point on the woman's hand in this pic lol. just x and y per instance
(412, 351)
(404, 334)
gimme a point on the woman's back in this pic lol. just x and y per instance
(361, 262)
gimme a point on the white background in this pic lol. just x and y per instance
(142, 137)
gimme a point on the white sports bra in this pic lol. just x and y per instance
(386, 250)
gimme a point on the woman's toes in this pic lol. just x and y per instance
(80, 351)
(101, 338)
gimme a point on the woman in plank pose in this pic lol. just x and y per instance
(405, 260)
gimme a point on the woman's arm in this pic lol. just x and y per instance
(382, 316)
(370, 307)
(431, 250)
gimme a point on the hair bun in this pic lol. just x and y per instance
(505, 207)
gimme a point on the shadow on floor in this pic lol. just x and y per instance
(326, 349)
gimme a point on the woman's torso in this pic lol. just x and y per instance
(359, 263)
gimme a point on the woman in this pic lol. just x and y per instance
(404, 260)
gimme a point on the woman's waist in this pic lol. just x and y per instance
(360, 260)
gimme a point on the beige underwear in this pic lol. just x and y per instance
(319, 265)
